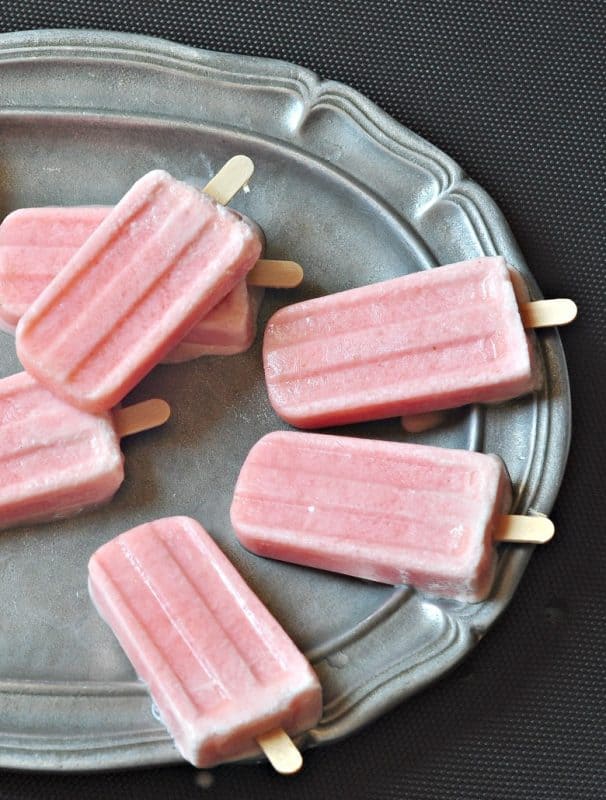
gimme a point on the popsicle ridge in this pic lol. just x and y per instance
(31, 256)
(23, 440)
(195, 631)
(68, 228)
(113, 235)
(137, 273)
(138, 277)
(408, 500)
(129, 324)
(20, 399)
(22, 279)
(424, 387)
(112, 602)
(221, 578)
(34, 247)
(386, 467)
(301, 361)
(412, 299)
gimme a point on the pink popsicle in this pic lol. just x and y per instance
(229, 328)
(54, 459)
(220, 668)
(163, 257)
(36, 243)
(423, 342)
(385, 511)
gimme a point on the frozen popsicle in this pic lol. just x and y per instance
(385, 511)
(418, 423)
(36, 243)
(56, 460)
(162, 258)
(424, 342)
(229, 328)
(223, 673)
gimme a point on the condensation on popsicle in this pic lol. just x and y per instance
(36, 243)
(160, 260)
(221, 670)
(56, 460)
(423, 342)
(385, 511)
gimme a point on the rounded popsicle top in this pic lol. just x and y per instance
(157, 180)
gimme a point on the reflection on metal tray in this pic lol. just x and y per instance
(355, 198)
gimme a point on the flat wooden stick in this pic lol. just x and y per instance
(140, 417)
(270, 273)
(275, 274)
(232, 176)
(418, 423)
(281, 751)
(545, 313)
(524, 530)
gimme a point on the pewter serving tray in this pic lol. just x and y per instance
(355, 198)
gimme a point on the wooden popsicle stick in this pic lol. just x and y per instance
(269, 273)
(418, 423)
(545, 313)
(232, 176)
(524, 530)
(281, 751)
(140, 417)
(273, 274)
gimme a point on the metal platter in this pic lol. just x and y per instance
(354, 197)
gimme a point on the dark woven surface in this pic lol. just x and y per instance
(514, 92)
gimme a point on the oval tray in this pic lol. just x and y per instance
(354, 197)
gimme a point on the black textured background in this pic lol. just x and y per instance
(514, 91)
